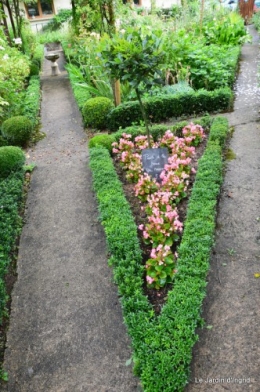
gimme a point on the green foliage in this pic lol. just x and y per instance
(77, 79)
(14, 69)
(11, 159)
(17, 130)
(228, 30)
(162, 346)
(158, 130)
(38, 55)
(162, 108)
(102, 140)
(57, 21)
(10, 225)
(256, 20)
(31, 101)
(133, 58)
(219, 131)
(34, 69)
(95, 112)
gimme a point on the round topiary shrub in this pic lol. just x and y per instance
(102, 140)
(17, 130)
(95, 112)
(11, 159)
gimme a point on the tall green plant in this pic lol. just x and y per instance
(135, 59)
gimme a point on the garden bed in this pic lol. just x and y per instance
(162, 344)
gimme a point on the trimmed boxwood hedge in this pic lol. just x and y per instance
(158, 130)
(11, 191)
(31, 105)
(162, 346)
(162, 108)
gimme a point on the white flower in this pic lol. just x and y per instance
(17, 41)
(5, 57)
(2, 48)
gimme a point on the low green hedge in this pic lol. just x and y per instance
(11, 190)
(159, 130)
(31, 105)
(162, 346)
(162, 108)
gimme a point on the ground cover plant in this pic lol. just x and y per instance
(162, 343)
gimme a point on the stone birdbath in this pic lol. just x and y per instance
(53, 57)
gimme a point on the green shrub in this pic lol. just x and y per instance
(34, 69)
(3, 141)
(158, 131)
(38, 55)
(31, 104)
(219, 130)
(11, 189)
(57, 21)
(17, 130)
(95, 112)
(162, 345)
(162, 108)
(102, 140)
(11, 159)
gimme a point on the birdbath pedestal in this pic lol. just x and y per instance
(53, 57)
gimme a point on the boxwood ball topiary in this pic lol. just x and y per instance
(11, 159)
(102, 140)
(95, 112)
(17, 130)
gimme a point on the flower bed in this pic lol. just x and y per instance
(161, 197)
(162, 345)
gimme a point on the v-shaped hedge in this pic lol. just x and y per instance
(162, 345)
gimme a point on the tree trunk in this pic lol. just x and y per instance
(144, 116)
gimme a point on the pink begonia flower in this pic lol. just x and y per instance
(145, 234)
(141, 227)
(149, 279)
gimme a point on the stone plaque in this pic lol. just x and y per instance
(153, 160)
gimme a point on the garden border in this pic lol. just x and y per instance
(162, 346)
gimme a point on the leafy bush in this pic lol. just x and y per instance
(57, 21)
(14, 69)
(11, 189)
(162, 346)
(31, 101)
(218, 132)
(95, 112)
(38, 55)
(77, 80)
(17, 130)
(102, 140)
(34, 69)
(256, 20)
(162, 108)
(11, 159)
(158, 130)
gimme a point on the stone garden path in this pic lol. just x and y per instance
(66, 330)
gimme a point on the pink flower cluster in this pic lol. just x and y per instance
(163, 226)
